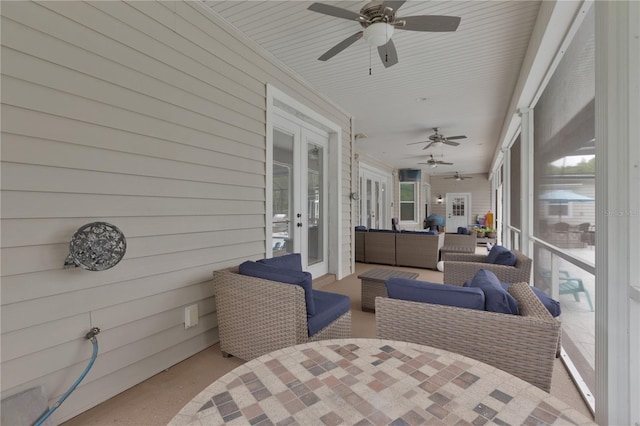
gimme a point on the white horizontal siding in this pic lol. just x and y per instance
(479, 187)
(150, 116)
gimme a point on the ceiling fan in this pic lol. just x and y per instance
(437, 139)
(458, 176)
(379, 20)
(433, 163)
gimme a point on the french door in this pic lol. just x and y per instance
(299, 199)
(373, 199)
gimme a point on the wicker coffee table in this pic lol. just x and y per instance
(373, 285)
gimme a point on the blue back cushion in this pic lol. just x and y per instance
(497, 299)
(437, 294)
(462, 230)
(329, 307)
(552, 305)
(500, 255)
(288, 276)
(291, 261)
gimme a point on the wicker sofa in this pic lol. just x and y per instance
(403, 248)
(459, 267)
(416, 249)
(257, 316)
(524, 345)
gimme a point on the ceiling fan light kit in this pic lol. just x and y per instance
(379, 20)
(378, 34)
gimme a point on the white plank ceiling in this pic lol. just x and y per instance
(459, 81)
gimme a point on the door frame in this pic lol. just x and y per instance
(285, 104)
(448, 206)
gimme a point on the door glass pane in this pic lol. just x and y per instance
(377, 207)
(368, 206)
(315, 219)
(281, 232)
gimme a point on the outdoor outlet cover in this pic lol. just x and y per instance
(190, 316)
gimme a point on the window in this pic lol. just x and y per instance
(408, 201)
(559, 210)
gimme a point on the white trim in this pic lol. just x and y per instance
(617, 50)
(527, 204)
(334, 159)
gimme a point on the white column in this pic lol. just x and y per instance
(618, 213)
(526, 185)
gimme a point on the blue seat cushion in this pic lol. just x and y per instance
(288, 276)
(552, 305)
(437, 294)
(497, 299)
(292, 261)
(500, 255)
(329, 307)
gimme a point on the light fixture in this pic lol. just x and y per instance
(360, 136)
(354, 196)
(433, 165)
(439, 199)
(378, 34)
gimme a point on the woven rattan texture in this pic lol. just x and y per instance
(522, 346)
(380, 247)
(257, 316)
(419, 251)
(458, 271)
(373, 285)
(459, 243)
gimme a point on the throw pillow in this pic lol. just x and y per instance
(500, 255)
(437, 294)
(463, 231)
(497, 299)
(291, 261)
(287, 276)
(552, 305)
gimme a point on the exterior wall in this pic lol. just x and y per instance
(479, 187)
(150, 116)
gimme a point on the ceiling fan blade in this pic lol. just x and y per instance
(416, 143)
(388, 54)
(338, 12)
(340, 46)
(444, 162)
(428, 146)
(456, 137)
(435, 23)
(450, 143)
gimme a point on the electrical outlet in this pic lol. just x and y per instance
(190, 316)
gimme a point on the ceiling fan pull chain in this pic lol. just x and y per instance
(369, 59)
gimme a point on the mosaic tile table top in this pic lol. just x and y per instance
(372, 382)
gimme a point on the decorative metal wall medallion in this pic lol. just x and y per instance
(96, 246)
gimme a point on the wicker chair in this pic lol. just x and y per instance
(524, 346)
(459, 243)
(459, 268)
(418, 250)
(257, 316)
